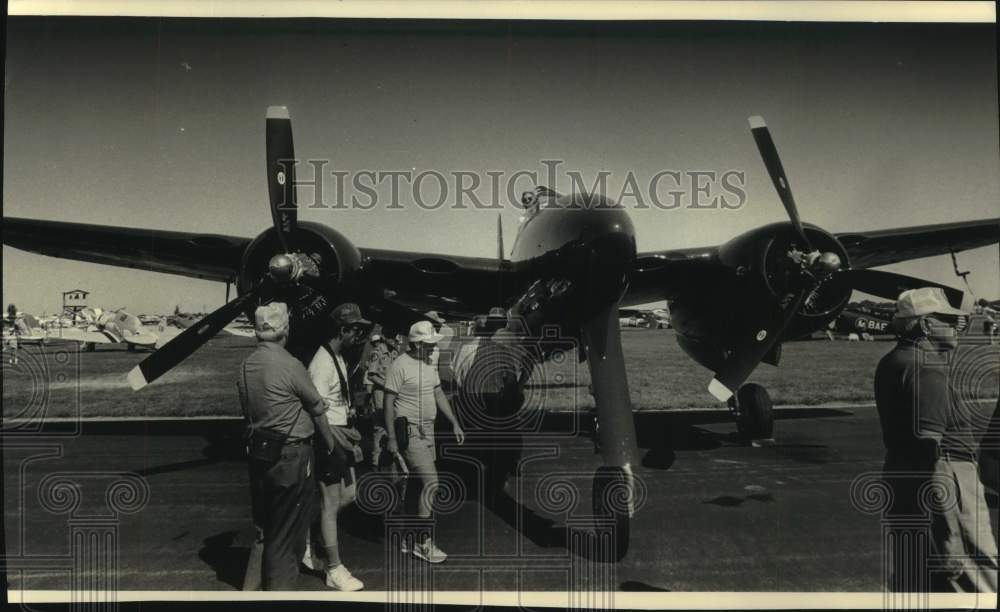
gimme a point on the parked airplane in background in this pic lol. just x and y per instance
(863, 321)
(573, 265)
(649, 319)
(108, 327)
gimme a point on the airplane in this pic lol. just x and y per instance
(107, 327)
(25, 328)
(652, 319)
(863, 322)
(573, 264)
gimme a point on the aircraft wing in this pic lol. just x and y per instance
(883, 247)
(206, 256)
(456, 286)
(662, 275)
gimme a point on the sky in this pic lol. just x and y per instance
(159, 123)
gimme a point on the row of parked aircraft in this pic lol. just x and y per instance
(91, 327)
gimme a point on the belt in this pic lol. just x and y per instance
(298, 442)
(959, 456)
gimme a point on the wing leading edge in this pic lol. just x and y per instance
(883, 247)
(450, 284)
(206, 256)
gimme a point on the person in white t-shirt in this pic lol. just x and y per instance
(413, 390)
(329, 374)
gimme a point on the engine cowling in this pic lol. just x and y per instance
(757, 274)
(326, 273)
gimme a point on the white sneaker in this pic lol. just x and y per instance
(429, 552)
(307, 559)
(341, 579)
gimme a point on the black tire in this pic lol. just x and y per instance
(755, 420)
(614, 527)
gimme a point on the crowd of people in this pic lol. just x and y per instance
(307, 430)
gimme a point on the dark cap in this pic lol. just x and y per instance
(348, 313)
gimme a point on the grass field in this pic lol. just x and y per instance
(60, 382)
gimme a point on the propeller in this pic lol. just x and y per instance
(284, 269)
(751, 349)
(813, 269)
(281, 174)
(889, 285)
(768, 152)
(188, 341)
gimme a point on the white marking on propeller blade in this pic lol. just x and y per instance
(136, 379)
(756, 122)
(719, 391)
(277, 112)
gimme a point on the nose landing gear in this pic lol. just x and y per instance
(751, 406)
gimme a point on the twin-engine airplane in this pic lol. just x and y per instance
(573, 264)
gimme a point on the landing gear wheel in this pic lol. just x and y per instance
(611, 496)
(754, 419)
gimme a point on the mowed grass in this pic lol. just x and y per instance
(61, 382)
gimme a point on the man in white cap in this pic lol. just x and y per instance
(283, 410)
(444, 330)
(932, 437)
(413, 390)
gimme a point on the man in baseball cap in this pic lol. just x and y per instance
(424, 332)
(932, 434)
(270, 321)
(413, 390)
(349, 313)
(283, 410)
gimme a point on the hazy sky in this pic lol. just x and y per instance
(160, 124)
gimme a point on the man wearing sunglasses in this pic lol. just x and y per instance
(329, 373)
(932, 433)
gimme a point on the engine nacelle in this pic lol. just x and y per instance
(330, 261)
(758, 274)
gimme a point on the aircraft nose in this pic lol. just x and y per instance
(606, 233)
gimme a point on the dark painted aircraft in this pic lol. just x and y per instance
(862, 321)
(573, 264)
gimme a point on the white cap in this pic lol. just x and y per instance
(423, 331)
(434, 316)
(924, 301)
(270, 319)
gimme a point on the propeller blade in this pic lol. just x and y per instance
(768, 152)
(187, 342)
(281, 174)
(751, 351)
(889, 285)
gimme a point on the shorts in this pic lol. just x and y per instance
(420, 454)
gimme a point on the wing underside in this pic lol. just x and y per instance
(662, 275)
(205, 256)
(460, 286)
(884, 247)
